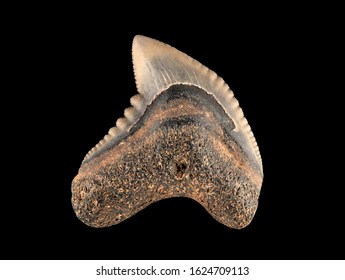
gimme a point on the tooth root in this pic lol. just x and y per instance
(138, 102)
(131, 114)
(122, 123)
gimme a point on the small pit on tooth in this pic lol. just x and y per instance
(180, 169)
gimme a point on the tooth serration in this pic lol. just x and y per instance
(138, 102)
(131, 114)
(114, 131)
(122, 123)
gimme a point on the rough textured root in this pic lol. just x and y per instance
(170, 162)
(182, 146)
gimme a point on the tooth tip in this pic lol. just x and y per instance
(141, 38)
(147, 47)
(143, 48)
(143, 41)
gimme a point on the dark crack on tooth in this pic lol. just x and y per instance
(183, 145)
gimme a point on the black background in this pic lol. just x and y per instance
(76, 79)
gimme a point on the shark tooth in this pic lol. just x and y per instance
(184, 136)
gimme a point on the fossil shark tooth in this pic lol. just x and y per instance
(185, 135)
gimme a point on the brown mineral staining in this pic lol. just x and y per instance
(184, 136)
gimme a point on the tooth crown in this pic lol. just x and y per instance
(157, 66)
